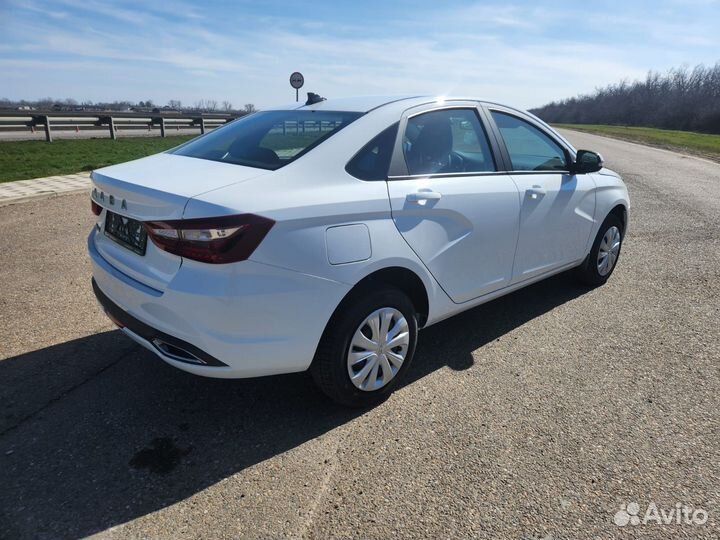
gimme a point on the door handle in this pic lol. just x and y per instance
(424, 195)
(536, 192)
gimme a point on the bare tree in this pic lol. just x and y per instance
(175, 104)
(679, 99)
(227, 106)
(249, 108)
(45, 103)
(206, 105)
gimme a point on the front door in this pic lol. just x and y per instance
(455, 211)
(557, 207)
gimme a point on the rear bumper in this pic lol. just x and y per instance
(236, 320)
(154, 339)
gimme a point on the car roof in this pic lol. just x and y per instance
(365, 104)
(361, 104)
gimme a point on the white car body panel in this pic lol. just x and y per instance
(556, 219)
(159, 186)
(610, 192)
(259, 319)
(467, 237)
(266, 314)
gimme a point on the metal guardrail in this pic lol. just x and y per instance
(112, 121)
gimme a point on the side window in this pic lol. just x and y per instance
(447, 141)
(530, 149)
(373, 160)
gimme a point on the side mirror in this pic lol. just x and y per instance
(587, 161)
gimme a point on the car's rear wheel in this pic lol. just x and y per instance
(366, 348)
(605, 252)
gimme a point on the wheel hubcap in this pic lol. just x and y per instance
(378, 348)
(609, 251)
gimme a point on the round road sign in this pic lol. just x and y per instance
(297, 80)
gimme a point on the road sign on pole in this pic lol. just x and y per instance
(296, 81)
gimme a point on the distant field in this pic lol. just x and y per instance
(684, 141)
(32, 159)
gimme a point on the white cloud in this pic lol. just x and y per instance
(525, 55)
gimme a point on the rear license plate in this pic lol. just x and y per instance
(127, 232)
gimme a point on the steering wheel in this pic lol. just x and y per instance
(456, 162)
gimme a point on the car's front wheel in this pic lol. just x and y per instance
(367, 347)
(604, 254)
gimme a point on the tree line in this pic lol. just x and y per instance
(682, 98)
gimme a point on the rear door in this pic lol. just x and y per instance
(557, 207)
(449, 201)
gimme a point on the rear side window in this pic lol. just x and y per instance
(373, 160)
(447, 141)
(530, 149)
(268, 140)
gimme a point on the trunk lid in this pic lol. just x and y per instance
(155, 188)
(159, 186)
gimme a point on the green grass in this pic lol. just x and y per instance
(20, 160)
(684, 141)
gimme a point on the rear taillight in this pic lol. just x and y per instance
(96, 208)
(216, 240)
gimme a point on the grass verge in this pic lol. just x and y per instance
(701, 144)
(20, 160)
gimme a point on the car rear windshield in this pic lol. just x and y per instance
(268, 140)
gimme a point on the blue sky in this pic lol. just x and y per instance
(523, 53)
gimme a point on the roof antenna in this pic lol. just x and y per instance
(313, 98)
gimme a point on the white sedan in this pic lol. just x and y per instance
(323, 236)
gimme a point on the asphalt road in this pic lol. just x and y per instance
(535, 416)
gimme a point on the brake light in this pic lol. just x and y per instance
(216, 240)
(96, 208)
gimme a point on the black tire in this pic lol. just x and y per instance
(588, 272)
(330, 369)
